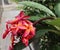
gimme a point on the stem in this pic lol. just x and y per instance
(42, 20)
(30, 47)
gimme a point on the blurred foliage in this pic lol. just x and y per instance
(57, 9)
(47, 30)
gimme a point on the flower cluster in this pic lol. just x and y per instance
(20, 27)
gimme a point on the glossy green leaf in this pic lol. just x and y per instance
(33, 18)
(55, 22)
(38, 6)
(57, 9)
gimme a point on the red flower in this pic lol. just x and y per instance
(29, 30)
(20, 16)
(20, 26)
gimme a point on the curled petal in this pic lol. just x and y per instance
(18, 16)
(20, 23)
(26, 33)
(22, 27)
(32, 31)
(13, 31)
(10, 48)
(14, 21)
(17, 29)
(12, 40)
(30, 23)
(6, 26)
(29, 37)
(21, 14)
(25, 41)
(25, 23)
(26, 17)
(12, 28)
(5, 34)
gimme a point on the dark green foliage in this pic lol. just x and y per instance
(37, 6)
(19, 46)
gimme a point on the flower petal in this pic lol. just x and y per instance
(12, 39)
(22, 27)
(26, 33)
(6, 26)
(20, 23)
(13, 21)
(29, 37)
(32, 31)
(10, 48)
(26, 17)
(13, 31)
(16, 31)
(25, 23)
(22, 14)
(5, 34)
(25, 41)
(30, 23)
(12, 28)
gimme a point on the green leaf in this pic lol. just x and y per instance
(38, 6)
(56, 47)
(55, 22)
(57, 9)
(19, 46)
(33, 18)
(55, 31)
(41, 32)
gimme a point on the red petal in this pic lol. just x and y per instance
(14, 21)
(22, 14)
(29, 37)
(12, 28)
(25, 41)
(22, 27)
(18, 16)
(16, 31)
(32, 34)
(10, 48)
(25, 23)
(26, 33)
(5, 33)
(6, 26)
(32, 31)
(30, 23)
(26, 17)
(12, 40)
